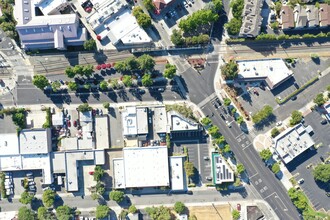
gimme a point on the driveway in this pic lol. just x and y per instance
(298, 167)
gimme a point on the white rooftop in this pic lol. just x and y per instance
(326, 107)
(160, 119)
(9, 144)
(57, 118)
(177, 174)
(37, 141)
(102, 132)
(292, 142)
(221, 170)
(85, 116)
(142, 120)
(180, 123)
(129, 121)
(119, 173)
(274, 71)
(146, 166)
(49, 6)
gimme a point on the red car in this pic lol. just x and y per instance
(75, 123)
(238, 207)
(69, 123)
(255, 92)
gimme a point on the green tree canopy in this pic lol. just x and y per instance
(177, 38)
(147, 80)
(117, 196)
(106, 105)
(170, 71)
(213, 130)
(72, 86)
(143, 19)
(87, 70)
(179, 207)
(69, 72)
(24, 213)
(226, 148)
(220, 140)
(319, 99)
(132, 209)
(235, 214)
(19, 119)
(127, 80)
(43, 213)
(227, 101)
(56, 85)
(206, 121)
(40, 81)
(48, 197)
(149, 5)
(265, 154)
(102, 211)
(78, 69)
(233, 26)
(189, 168)
(159, 213)
(198, 18)
(240, 168)
(84, 107)
(322, 173)
(146, 62)
(90, 44)
(237, 8)
(274, 132)
(103, 85)
(276, 168)
(120, 66)
(26, 198)
(263, 114)
(64, 212)
(240, 120)
(229, 70)
(114, 83)
(296, 117)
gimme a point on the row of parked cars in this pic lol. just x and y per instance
(9, 184)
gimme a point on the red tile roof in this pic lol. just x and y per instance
(324, 15)
(287, 17)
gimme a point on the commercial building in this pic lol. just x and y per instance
(29, 151)
(222, 172)
(179, 123)
(102, 135)
(135, 122)
(49, 29)
(251, 22)
(143, 167)
(113, 20)
(161, 4)
(292, 142)
(272, 71)
(326, 107)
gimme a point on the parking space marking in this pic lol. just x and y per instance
(269, 195)
(239, 139)
(254, 175)
(239, 135)
(247, 146)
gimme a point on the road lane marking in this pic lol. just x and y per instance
(246, 146)
(254, 175)
(269, 195)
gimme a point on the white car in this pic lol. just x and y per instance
(228, 124)
(279, 123)
(185, 4)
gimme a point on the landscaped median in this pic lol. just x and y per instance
(310, 82)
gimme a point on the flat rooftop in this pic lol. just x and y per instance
(129, 121)
(178, 179)
(221, 170)
(142, 120)
(35, 141)
(273, 71)
(160, 119)
(9, 144)
(146, 166)
(180, 123)
(102, 132)
(119, 173)
(48, 6)
(292, 142)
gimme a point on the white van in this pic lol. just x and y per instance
(59, 181)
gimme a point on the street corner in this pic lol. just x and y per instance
(260, 142)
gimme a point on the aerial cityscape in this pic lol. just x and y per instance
(165, 109)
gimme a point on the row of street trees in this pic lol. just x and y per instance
(234, 25)
(142, 18)
(198, 18)
(144, 63)
(178, 40)
(82, 70)
(263, 114)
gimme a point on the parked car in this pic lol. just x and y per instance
(228, 124)
(75, 123)
(238, 207)
(185, 4)
(189, 192)
(206, 158)
(323, 122)
(322, 158)
(69, 123)
(301, 181)
(29, 174)
(208, 178)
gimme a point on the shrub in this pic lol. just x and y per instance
(275, 132)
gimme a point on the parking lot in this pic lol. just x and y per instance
(7, 125)
(116, 136)
(197, 151)
(18, 176)
(298, 167)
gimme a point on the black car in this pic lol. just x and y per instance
(189, 192)
(293, 98)
(323, 122)
(322, 158)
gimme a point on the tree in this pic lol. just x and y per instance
(322, 173)
(206, 121)
(146, 62)
(117, 196)
(235, 214)
(213, 130)
(147, 80)
(229, 70)
(278, 7)
(237, 8)
(144, 20)
(114, 83)
(100, 189)
(26, 198)
(149, 5)
(64, 213)
(19, 119)
(24, 213)
(56, 85)
(95, 196)
(132, 209)
(84, 107)
(69, 72)
(40, 81)
(72, 86)
(227, 101)
(220, 140)
(276, 168)
(48, 197)
(240, 120)
(263, 114)
(168, 141)
(177, 38)
(226, 148)
(274, 25)
(240, 168)
(90, 44)
(102, 211)
(120, 66)
(127, 80)
(274, 132)
(87, 70)
(87, 86)
(265, 154)
(319, 99)
(43, 213)
(78, 69)
(179, 207)
(103, 85)
(106, 105)
(170, 71)
(197, 19)
(189, 168)
(98, 173)
(296, 117)
(159, 213)
(233, 26)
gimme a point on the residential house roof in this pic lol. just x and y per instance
(324, 15)
(287, 18)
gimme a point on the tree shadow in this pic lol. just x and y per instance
(123, 95)
(72, 58)
(247, 97)
(36, 203)
(113, 96)
(100, 57)
(126, 203)
(265, 123)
